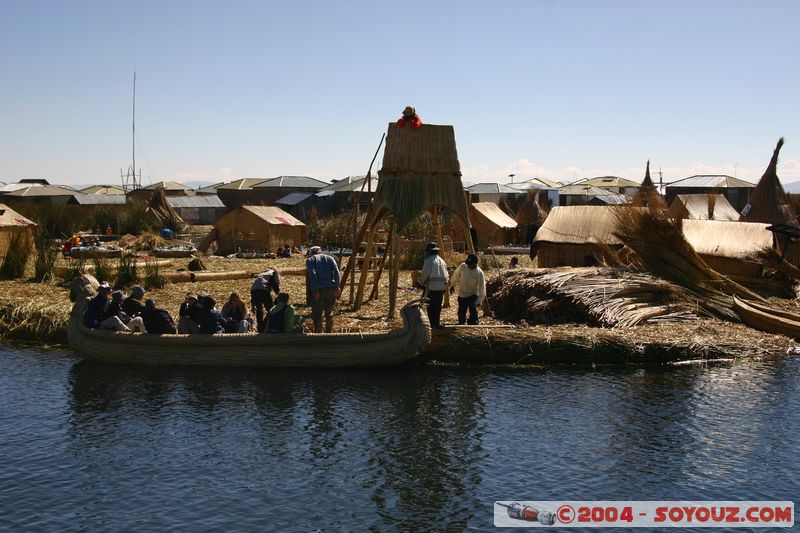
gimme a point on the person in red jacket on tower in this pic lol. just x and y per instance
(410, 117)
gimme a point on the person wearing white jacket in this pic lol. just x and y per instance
(434, 279)
(471, 289)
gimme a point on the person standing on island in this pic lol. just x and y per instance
(323, 285)
(434, 278)
(471, 289)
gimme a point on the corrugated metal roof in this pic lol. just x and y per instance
(168, 186)
(210, 189)
(711, 181)
(349, 184)
(44, 190)
(242, 184)
(204, 200)
(11, 187)
(102, 189)
(533, 184)
(100, 199)
(607, 181)
(290, 182)
(491, 188)
(294, 198)
(273, 215)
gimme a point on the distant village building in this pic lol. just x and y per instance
(544, 189)
(612, 184)
(198, 209)
(735, 190)
(103, 190)
(703, 207)
(22, 184)
(238, 192)
(589, 195)
(493, 192)
(40, 194)
(11, 223)
(92, 200)
(261, 191)
(209, 189)
(257, 228)
(303, 205)
(171, 188)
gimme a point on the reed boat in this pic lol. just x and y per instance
(767, 319)
(246, 349)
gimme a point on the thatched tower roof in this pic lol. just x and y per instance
(768, 201)
(420, 170)
(647, 192)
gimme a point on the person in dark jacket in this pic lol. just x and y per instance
(115, 309)
(98, 315)
(210, 321)
(261, 294)
(189, 315)
(133, 304)
(157, 321)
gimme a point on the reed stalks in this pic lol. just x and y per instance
(19, 250)
(126, 272)
(102, 270)
(153, 278)
(47, 252)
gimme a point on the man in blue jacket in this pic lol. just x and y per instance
(323, 286)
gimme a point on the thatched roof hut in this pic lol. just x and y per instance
(725, 246)
(257, 228)
(768, 201)
(420, 170)
(491, 224)
(578, 235)
(647, 192)
(703, 207)
(11, 223)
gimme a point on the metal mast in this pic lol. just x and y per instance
(130, 180)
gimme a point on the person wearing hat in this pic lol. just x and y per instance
(189, 314)
(157, 321)
(410, 118)
(133, 304)
(323, 287)
(115, 309)
(210, 321)
(471, 289)
(97, 311)
(434, 278)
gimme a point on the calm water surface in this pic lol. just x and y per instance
(93, 447)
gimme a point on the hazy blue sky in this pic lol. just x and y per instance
(539, 88)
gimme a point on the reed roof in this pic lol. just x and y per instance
(420, 170)
(697, 207)
(727, 239)
(10, 218)
(272, 215)
(492, 212)
(768, 202)
(579, 224)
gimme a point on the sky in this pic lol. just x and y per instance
(554, 89)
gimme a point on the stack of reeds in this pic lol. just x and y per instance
(594, 296)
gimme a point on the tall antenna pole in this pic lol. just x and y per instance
(133, 132)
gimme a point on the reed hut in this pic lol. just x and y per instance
(726, 246)
(580, 235)
(737, 191)
(768, 202)
(648, 194)
(257, 228)
(491, 224)
(420, 170)
(703, 207)
(11, 223)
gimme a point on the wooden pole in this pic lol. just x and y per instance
(437, 229)
(386, 253)
(365, 268)
(394, 268)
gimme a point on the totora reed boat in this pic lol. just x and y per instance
(246, 349)
(767, 319)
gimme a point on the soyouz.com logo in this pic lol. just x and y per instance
(644, 514)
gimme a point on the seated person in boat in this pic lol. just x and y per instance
(133, 305)
(115, 309)
(189, 315)
(261, 295)
(210, 321)
(157, 321)
(234, 312)
(97, 312)
(281, 316)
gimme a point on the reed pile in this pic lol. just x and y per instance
(605, 297)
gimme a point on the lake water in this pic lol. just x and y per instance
(94, 447)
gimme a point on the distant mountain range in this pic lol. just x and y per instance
(793, 187)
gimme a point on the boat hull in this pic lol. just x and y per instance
(766, 319)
